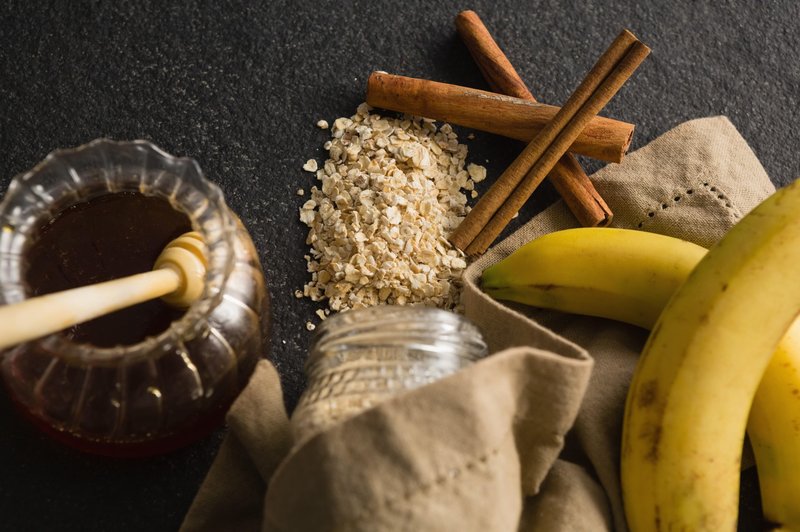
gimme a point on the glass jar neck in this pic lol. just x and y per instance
(427, 331)
(68, 177)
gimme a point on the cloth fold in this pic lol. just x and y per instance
(463, 443)
(526, 439)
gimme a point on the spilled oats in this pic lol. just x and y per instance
(389, 195)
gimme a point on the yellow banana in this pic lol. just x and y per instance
(611, 273)
(774, 431)
(604, 273)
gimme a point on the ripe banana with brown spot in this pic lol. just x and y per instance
(691, 393)
(611, 273)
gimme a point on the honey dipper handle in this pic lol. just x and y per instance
(43, 315)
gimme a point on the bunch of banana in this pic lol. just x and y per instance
(699, 374)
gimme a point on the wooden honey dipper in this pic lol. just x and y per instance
(177, 277)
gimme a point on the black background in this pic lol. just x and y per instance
(239, 87)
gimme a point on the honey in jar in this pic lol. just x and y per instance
(149, 378)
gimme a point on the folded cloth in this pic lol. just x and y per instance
(526, 439)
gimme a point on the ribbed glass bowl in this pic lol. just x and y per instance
(166, 390)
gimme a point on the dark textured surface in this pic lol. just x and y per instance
(239, 87)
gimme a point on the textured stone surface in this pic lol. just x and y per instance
(240, 86)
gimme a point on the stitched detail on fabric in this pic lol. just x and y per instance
(682, 196)
(425, 488)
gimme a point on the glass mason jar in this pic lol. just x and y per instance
(361, 357)
(168, 389)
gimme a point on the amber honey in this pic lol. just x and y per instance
(107, 238)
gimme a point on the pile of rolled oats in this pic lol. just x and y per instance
(389, 195)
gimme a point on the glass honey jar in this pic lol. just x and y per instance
(147, 379)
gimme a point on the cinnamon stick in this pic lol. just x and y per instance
(497, 70)
(603, 138)
(512, 189)
(567, 176)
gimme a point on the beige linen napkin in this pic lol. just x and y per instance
(488, 448)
